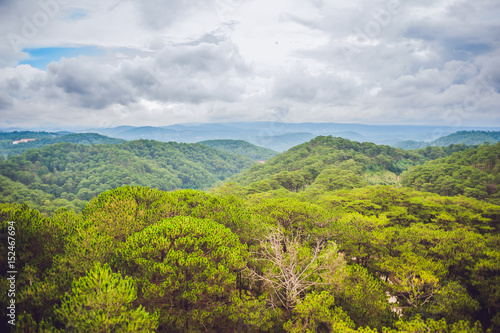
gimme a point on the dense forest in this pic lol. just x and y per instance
(328, 163)
(473, 173)
(68, 175)
(48, 138)
(330, 236)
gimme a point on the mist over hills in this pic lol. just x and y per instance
(282, 136)
(41, 139)
(466, 137)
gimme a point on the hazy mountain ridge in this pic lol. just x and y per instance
(46, 138)
(270, 134)
(469, 138)
(283, 136)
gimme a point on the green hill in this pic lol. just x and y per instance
(241, 147)
(47, 138)
(474, 173)
(75, 173)
(306, 245)
(462, 137)
(329, 163)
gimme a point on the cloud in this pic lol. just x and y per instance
(190, 73)
(389, 61)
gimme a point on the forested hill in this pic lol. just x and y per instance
(67, 175)
(330, 163)
(47, 138)
(241, 147)
(469, 138)
(473, 173)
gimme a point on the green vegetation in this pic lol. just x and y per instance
(241, 147)
(329, 163)
(190, 261)
(469, 138)
(473, 173)
(322, 238)
(68, 175)
(100, 302)
(45, 138)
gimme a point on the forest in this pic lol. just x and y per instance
(68, 175)
(48, 138)
(330, 236)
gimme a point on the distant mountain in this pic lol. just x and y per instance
(241, 147)
(147, 133)
(67, 175)
(267, 134)
(7, 139)
(466, 137)
(282, 142)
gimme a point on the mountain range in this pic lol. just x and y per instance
(282, 136)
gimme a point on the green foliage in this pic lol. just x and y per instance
(68, 175)
(363, 297)
(473, 173)
(101, 301)
(329, 163)
(242, 148)
(187, 268)
(317, 313)
(307, 245)
(417, 325)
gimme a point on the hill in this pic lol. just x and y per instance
(474, 173)
(66, 174)
(461, 137)
(161, 255)
(329, 163)
(47, 138)
(241, 147)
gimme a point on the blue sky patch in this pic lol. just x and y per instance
(76, 14)
(41, 57)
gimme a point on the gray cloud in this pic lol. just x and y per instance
(434, 62)
(186, 73)
(160, 13)
(5, 100)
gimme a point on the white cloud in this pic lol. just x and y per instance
(174, 61)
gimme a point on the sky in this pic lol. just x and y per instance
(104, 63)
